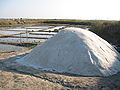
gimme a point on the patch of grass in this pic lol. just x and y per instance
(1, 52)
(32, 47)
(22, 44)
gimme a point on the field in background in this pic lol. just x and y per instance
(109, 30)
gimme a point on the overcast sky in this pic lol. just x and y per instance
(61, 9)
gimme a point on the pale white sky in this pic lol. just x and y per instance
(61, 9)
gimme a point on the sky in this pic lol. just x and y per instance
(61, 9)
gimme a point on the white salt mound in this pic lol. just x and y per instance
(75, 51)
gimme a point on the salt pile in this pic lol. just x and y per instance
(75, 51)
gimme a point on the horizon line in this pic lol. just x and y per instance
(56, 18)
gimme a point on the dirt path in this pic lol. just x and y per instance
(14, 81)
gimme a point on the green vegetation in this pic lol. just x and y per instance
(31, 47)
(23, 44)
(1, 52)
